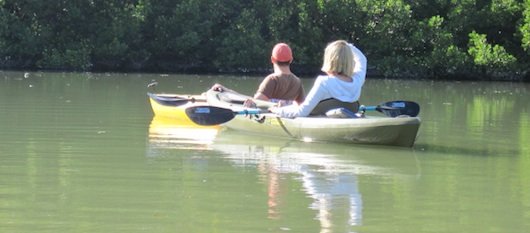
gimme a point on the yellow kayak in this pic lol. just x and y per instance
(174, 106)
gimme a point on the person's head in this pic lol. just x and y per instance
(338, 59)
(282, 54)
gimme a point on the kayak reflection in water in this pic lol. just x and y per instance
(331, 184)
(331, 192)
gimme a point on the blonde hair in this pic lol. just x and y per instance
(338, 59)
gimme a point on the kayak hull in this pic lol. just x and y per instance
(378, 130)
(371, 130)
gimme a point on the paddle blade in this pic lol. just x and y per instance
(209, 115)
(400, 107)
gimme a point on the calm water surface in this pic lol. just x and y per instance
(81, 152)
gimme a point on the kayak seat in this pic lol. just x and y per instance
(342, 113)
(329, 104)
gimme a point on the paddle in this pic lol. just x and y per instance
(171, 100)
(212, 115)
(395, 108)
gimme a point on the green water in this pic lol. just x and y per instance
(81, 152)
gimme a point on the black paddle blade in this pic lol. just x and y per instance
(400, 107)
(209, 115)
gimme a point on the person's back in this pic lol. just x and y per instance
(282, 85)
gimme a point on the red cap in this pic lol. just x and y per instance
(281, 53)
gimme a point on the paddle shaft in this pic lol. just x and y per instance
(402, 107)
(249, 112)
(395, 108)
(213, 115)
(173, 100)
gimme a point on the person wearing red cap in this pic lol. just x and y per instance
(282, 86)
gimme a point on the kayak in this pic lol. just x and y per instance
(371, 129)
(283, 155)
(174, 106)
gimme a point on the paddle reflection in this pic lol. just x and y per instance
(329, 173)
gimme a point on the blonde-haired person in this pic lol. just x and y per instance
(345, 68)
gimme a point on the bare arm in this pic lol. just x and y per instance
(260, 96)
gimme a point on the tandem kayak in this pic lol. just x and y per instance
(174, 106)
(379, 130)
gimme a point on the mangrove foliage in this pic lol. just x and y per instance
(454, 39)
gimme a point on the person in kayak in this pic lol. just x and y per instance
(282, 86)
(345, 68)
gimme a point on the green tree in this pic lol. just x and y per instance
(388, 26)
(437, 53)
(298, 23)
(242, 46)
(490, 58)
(116, 30)
(66, 44)
(525, 27)
(402, 38)
(21, 34)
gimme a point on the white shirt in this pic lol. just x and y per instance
(326, 87)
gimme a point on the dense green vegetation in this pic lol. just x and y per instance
(476, 39)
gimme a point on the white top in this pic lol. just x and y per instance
(326, 87)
